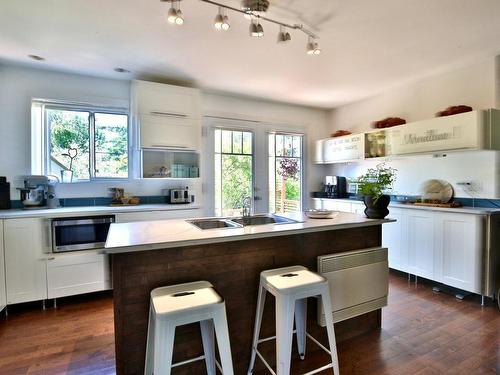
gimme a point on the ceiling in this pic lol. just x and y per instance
(368, 46)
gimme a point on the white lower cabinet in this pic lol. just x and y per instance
(358, 208)
(420, 242)
(335, 205)
(458, 251)
(25, 260)
(3, 291)
(442, 246)
(77, 273)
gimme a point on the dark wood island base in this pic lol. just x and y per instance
(233, 268)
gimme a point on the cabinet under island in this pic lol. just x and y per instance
(147, 255)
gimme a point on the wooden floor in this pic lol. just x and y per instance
(423, 333)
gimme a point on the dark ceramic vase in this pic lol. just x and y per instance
(376, 209)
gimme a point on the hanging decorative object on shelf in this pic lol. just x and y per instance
(254, 11)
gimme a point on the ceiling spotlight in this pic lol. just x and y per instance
(312, 47)
(219, 20)
(256, 29)
(179, 20)
(172, 14)
(283, 36)
(225, 24)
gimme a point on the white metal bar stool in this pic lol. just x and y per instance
(176, 305)
(291, 286)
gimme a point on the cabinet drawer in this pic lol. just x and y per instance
(71, 274)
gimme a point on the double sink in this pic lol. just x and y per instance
(239, 222)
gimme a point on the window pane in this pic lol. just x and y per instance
(247, 143)
(271, 140)
(279, 145)
(237, 142)
(69, 133)
(236, 179)
(226, 141)
(111, 145)
(288, 145)
(296, 146)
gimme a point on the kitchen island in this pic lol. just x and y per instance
(147, 255)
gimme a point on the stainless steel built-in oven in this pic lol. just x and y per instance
(80, 233)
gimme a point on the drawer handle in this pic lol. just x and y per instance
(168, 114)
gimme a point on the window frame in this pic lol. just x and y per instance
(92, 110)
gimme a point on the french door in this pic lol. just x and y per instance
(244, 161)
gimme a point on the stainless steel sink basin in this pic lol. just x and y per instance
(238, 222)
(214, 223)
(263, 219)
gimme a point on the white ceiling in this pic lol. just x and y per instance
(368, 46)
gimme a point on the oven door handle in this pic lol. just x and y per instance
(66, 223)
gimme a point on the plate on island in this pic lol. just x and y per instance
(320, 213)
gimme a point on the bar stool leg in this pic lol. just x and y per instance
(207, 336)
(327, 307)
(300, 325)
(148, 369)
(284, 334)
(261, 300)
(222, 332)
(163, 347)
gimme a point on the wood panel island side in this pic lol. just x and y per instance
(147, 255)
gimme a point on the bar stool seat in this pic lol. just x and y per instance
(291, 286)
(177, 305)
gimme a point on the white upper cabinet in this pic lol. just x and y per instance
(459, 132)
(476, 130)
(344, 149)
(168, 116)
(26, 242)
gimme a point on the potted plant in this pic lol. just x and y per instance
(372, 186)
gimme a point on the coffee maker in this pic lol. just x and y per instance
(39, 192)
(335, 187)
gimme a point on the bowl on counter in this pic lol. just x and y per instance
(320, 213)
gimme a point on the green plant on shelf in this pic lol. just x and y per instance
(376, 181)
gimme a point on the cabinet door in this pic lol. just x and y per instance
(335, 205)
(25, 261)
(3, 291)
(318, 151)
(458, 250)
(395, 239)
(168, 132)
(77, 273)
(420, 236)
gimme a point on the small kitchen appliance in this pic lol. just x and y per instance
(178, 195)
(335, 187)
(80, 233)
(39, 192)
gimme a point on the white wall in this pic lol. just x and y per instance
(18, 85)
(477, 86)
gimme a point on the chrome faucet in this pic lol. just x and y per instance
(247, 206)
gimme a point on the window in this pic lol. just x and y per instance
(233, 170)
(285, 172)
(82, 144)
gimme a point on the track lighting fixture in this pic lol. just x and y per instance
(253, 10)
(174, 14)
(312, 47)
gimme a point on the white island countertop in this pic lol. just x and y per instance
(163, 234)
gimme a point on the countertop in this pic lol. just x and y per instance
(459, 210)
(162, 234)
(91, 210)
